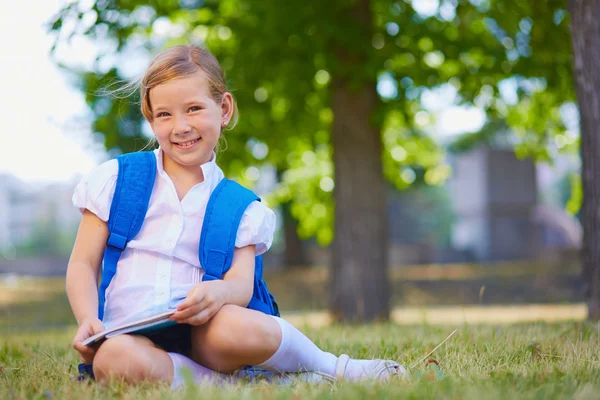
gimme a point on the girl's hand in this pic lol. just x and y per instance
(88, 327)
(202, 303)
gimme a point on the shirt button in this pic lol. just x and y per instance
(169, 243)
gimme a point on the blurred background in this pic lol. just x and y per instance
(473, 139)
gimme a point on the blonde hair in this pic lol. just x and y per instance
(179, 62)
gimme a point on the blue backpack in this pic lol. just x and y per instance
(226, 205)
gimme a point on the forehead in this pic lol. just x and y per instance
(195, 85)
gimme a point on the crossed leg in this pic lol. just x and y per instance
(233, 338)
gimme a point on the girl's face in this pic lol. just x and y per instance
(186, 120)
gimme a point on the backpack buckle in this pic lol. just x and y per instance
(117, 241)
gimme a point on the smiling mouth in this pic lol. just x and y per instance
(188, 144)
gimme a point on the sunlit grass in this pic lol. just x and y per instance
(492, 362)
(487, 358)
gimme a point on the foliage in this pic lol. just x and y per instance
(569, 193)
(573, 205)
(280, 58)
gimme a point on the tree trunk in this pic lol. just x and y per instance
(359, 250)
(295, 254)
(585, 32)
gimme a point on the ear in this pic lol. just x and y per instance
(227, 106)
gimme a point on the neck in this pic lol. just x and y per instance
(182, 173)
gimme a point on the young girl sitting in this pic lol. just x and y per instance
(185, 100)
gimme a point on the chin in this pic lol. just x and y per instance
(192, 159)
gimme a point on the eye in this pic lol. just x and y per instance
(162, 114)
(194, 108)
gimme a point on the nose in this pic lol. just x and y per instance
(181, 125)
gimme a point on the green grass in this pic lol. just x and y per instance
(533, 361)
(530, 361)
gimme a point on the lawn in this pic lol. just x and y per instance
(529, 361)
(489, 359)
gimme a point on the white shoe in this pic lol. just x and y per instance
(380, 370)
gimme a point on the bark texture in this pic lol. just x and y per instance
(360, 289)
(296, 254)
(585, 32)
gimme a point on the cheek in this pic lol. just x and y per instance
(161, 131)
(208, 125)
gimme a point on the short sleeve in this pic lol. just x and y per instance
(95, 191)
(256, 228)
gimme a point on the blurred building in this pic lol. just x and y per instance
(490, 210)
(498, 212)
(26, 207)
(494, 196)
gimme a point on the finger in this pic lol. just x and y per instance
(81, 348)
(191, 309)
(78, 338)
(179, 316)
(200, 318)
(81, 336)
(189, 302)
(87, 357)
(84, 332)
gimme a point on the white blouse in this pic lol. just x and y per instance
(160, 265)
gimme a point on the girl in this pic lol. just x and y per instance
(184, 98)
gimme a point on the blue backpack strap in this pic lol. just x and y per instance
(223, 215)
(135, 181)
(222, 219)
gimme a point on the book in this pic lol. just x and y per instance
(144, 325)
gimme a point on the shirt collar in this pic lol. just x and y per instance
(207, 168)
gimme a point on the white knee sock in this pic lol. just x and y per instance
(199, 373)
(297, 353)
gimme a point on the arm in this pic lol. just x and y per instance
(239, 280)
(206, 298)
(82, 280)
(84, 267)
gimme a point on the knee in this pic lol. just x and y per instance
(235, 327)
(114, 360)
